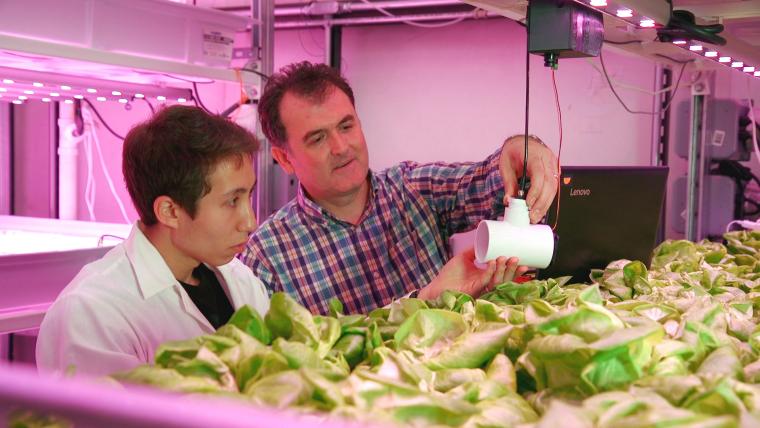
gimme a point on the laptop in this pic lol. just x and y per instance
(605, 214)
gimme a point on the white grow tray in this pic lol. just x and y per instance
(38, 257)
(139, 41)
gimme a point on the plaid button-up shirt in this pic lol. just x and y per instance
(399, 244)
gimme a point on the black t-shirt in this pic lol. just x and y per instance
(209, 296)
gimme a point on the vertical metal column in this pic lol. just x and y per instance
(696, 166)
(327, 30)
(262, 12)
(53, 155)
(661, 131)
(6, 162)
(657, 104)
(335, 42)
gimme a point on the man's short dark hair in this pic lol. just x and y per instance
(304, 79)
(174, 152)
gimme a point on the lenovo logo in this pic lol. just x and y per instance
(580, 192)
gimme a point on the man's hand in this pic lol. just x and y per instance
(542, 170)
(461, 274)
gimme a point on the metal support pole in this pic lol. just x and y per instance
(6, 160)
(263, 37)
(54, 165)
(660, 132)
(327, 30)
(655, 149)
(696, 166)
(335, 42)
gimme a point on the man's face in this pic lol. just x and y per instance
(223, 218)
(326, 147)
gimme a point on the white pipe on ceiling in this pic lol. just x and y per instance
(475, 14)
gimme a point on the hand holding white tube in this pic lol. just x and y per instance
(515, 237)
(461, 274)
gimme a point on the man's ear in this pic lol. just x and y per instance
(281, 156)
(166, 211)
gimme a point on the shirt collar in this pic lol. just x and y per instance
(322, 216)
(151, 271)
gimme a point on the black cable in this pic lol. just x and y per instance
(260, 73)
(228, 111)
(524, 179)
(628, 42)
(197, 99)
(94, 110)
(677, 61)
(150, 106)
(614, 92)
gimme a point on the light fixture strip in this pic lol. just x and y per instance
(647, 14)
(639, 13)
(714, 54)
(39, 85)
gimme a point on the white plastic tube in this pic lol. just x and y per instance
(533, 244)
(67, 163)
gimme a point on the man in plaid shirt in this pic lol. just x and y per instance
(366, 237)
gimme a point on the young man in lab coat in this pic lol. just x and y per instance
(190, 176)
(368, 237)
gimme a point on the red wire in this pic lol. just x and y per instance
(559, 153)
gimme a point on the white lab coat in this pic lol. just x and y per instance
(114, 314)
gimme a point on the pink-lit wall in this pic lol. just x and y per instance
(455, 93)
(216, 97)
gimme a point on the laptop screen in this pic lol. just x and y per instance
(605, 214)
